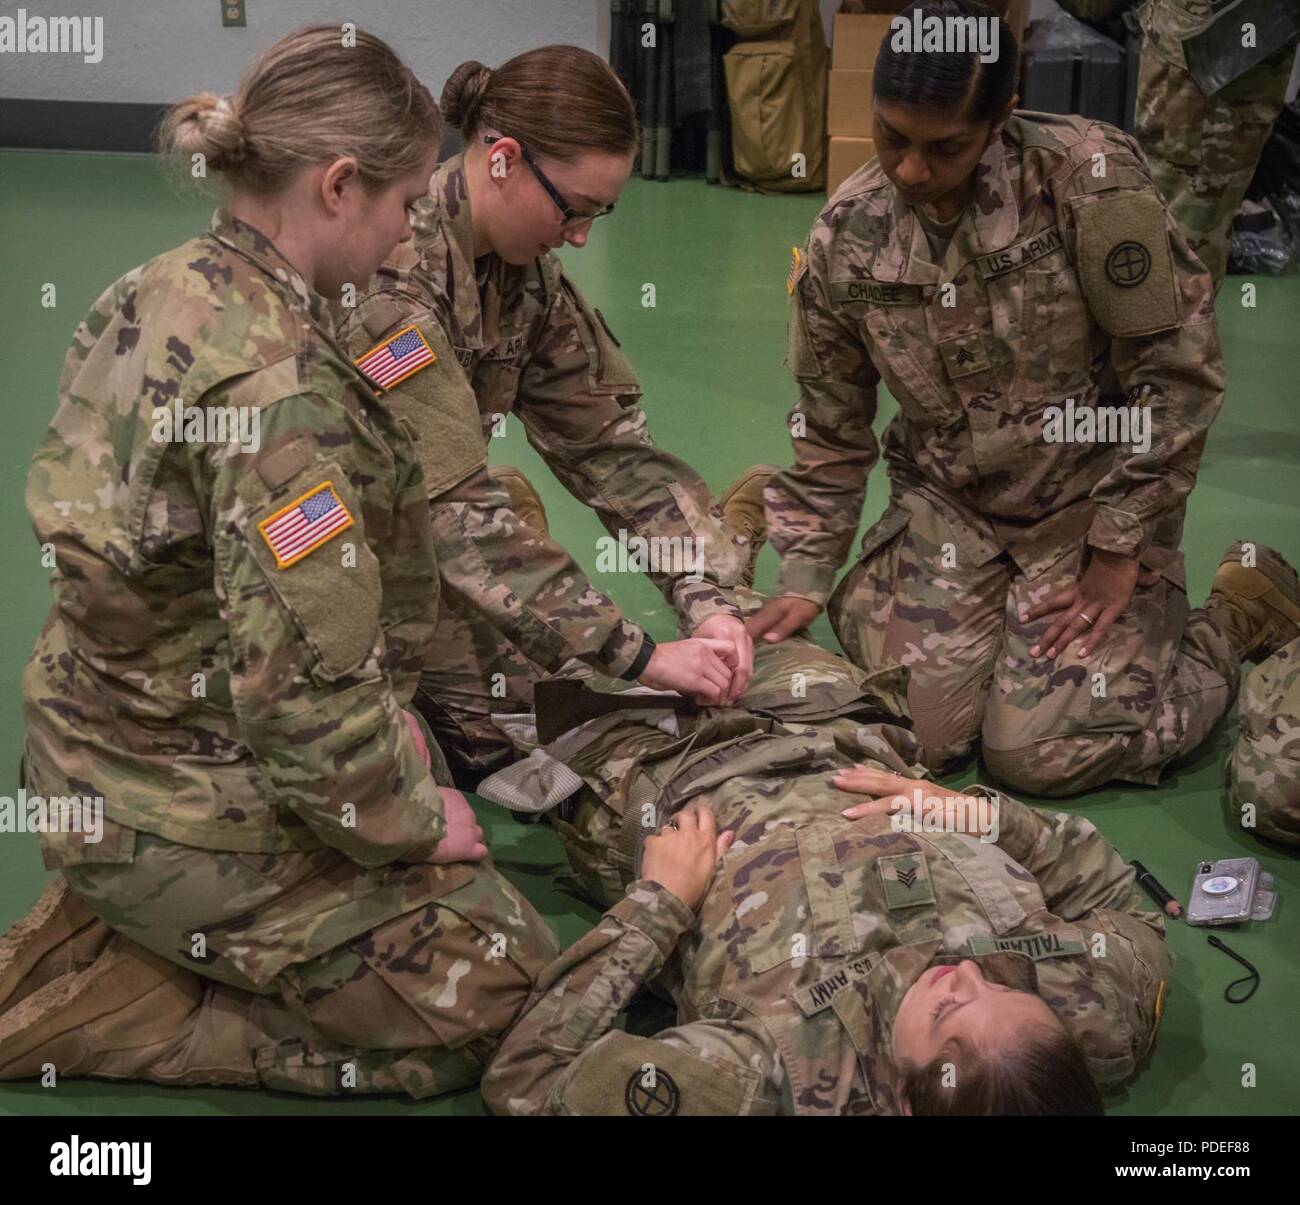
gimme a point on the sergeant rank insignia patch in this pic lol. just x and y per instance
(305, 524)
(397, 358)
(796, 262)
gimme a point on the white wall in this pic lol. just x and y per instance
(161, 50)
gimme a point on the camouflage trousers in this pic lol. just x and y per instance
(1264, 770)
(1203, 150)
(316, 975)
(1152, 691)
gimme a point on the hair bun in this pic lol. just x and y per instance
(209, 125)
(462, 95)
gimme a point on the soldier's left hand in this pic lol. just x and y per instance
(1088, 608)
(729, 627)
(889, 792)
(893, 793)
(683, 855)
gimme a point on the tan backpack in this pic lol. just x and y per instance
(776, 88)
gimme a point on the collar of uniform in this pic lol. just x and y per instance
(450, 193)
(881, 993)
(254, 246)
(989, 223)
(993, 210)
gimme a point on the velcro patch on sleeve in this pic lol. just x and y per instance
(400, 356)
(1125, 265)
(632, 1076)
(312, 519)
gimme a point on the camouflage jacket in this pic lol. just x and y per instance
(531, 346)
(1066, 286)
(815, 927)
(237, 625)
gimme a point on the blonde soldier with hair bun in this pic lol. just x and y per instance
(550, 139)
(285, 890)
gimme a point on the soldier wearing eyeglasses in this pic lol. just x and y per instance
(551, 137)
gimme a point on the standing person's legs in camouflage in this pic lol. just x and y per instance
(302, 972)
(1203, 150)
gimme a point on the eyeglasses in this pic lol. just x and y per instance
(571, 218)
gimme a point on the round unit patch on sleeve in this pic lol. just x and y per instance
(1125, 266)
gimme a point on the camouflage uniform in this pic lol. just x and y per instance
(802, 705)
(815, 927)
(1067, 281)
(236, 700)
(1264, 769)
(517, 605)
(1202, 150)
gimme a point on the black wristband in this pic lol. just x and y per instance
(637, 668)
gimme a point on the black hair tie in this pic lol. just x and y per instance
(1254, 974)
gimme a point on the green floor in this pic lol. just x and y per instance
(709, 355)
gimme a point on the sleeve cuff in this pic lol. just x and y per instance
(1116, 531)
(705, 606)
(620, 651)
(656, 912)
(805, 579)
(1017, 822)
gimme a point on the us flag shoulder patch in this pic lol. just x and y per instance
(796, 262)
(305, 524)
(397, 358)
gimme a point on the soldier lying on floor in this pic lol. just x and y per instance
(836, 964)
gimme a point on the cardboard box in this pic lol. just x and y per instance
(845, 156)
(856, 39)
(848, 105)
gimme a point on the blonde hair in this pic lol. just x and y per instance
(307, 99)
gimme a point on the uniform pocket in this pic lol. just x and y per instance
(892, 336)
(115, 845)
(1056, 345)
(801, 915)
(609, 371)
(333, 593)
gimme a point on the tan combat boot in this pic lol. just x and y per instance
(1257, 607)
(742, 507)
(524, 499)
(59, 936)
(112, 1018)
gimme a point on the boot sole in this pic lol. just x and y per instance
(30, 939)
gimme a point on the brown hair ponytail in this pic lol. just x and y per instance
(311, 97)
(558, 101)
